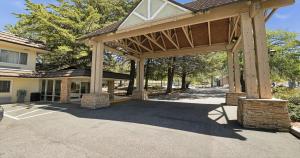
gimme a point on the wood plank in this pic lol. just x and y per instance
(249, 57)
(263, 66)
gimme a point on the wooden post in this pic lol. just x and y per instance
(141, 74)
(93, 67)
(111, 88)
(230, 72)
(137, 75)
(237, 72)
(249, 56)
(99, 68)
(263, 67)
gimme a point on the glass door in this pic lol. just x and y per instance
(75, 94)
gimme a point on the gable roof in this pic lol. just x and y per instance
(194, 6)
(11, 38)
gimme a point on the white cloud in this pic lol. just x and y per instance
(281, 16)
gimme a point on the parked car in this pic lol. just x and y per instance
(1, 112)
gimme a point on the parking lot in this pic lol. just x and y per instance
(28, 111)
(190, 125)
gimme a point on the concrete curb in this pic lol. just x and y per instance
(295, 131)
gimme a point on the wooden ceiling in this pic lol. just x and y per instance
(219, 32)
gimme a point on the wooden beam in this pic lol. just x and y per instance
(276, 3)
(128, 55)
(128, 48)
(152, 39)
(187, 35)
(263, 67)
(234, 29)
(249, 57)
(270, 15)
(139, 44)
(223, 12)
(236, 45)
(170, 39)
(209, 33)
(189, 51)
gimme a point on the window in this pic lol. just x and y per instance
(12, 57)
(4, 86)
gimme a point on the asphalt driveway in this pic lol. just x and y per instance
(139, 129)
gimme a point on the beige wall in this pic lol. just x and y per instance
(31, 60)
(30, 85)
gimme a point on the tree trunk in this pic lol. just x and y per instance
(131, 79)
(147, 74)
(183, 80)
(212, 82)
(161, 83)
(171, 72)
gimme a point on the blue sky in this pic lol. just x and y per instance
(284, 18)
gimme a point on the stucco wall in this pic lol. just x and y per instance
(30, 85)
(31, 60)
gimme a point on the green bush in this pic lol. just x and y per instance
(293, 96)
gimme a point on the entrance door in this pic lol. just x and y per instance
(75, 94)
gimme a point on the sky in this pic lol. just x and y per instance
(285, 18)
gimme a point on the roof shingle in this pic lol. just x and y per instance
(11, 38)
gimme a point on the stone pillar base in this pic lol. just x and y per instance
(140, 95)
(264, 114)
(95, 101)
(233, 98)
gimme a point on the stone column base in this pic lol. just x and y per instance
(95, 101)
(264, 113)
(233, 98)
(140, 95)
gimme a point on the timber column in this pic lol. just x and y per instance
(140, 93)
(234, 79)
(96, 98)
(258, 109)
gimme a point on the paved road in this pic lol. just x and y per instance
(136, 129)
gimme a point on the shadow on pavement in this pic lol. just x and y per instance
(180, 116)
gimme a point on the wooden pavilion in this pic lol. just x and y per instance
(166, 28)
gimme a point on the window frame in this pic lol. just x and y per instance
(19, 57)
(10, 86)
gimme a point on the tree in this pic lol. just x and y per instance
(59, 25)
(171, 72)
(131, 78)
(284, 51)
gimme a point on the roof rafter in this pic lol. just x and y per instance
(186, 32)
(154, 40)
(169, 37)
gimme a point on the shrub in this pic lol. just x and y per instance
(293, 96)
